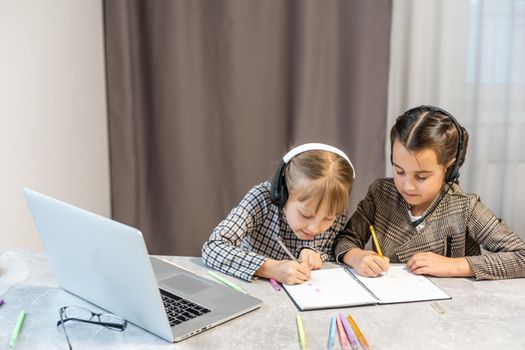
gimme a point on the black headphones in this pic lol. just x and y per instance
(278, 189)
(452, 173)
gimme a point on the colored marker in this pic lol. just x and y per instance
(275, 284)
(300, 331)
(357, 331)
(331, 334)
(342, 336)
(349, 333)
(226, 282)
(18, 327)
(2, 302)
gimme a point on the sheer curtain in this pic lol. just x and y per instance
(469, 58)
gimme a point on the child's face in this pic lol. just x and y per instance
(417, 175)
(303, 220)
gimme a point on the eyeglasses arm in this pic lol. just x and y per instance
(120, 326)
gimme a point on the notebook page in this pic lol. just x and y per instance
(329, 288)
(400, 285)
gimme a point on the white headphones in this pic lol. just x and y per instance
(278, 190)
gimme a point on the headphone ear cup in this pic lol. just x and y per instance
(284, 193)
(452, 173)
(278, 190)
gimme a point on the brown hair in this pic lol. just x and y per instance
(428, 127)
(331, 179)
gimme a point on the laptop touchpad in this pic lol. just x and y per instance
(184, 283)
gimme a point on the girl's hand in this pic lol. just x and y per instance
(284, 271)
(311, 259)
(366, 262)
(291, 272)
(428, 263)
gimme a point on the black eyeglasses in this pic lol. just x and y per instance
(79, 314)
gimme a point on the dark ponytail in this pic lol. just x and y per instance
(463, 150)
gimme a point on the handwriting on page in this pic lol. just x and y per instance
(329, 287)
(399, 285)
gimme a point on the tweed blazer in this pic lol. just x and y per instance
(459, 217)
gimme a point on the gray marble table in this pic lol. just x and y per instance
(480, 315)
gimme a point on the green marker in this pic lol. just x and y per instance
(18, 327)
(226, 282)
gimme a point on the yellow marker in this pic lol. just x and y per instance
(376, 243)
(300, 331)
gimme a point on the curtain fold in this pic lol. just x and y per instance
(206, 96)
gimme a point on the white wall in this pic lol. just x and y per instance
(53, 124)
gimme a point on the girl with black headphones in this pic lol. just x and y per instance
(285, 228)
(422, 217)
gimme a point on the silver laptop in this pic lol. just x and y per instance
(106, 263)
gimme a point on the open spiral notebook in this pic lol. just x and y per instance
(343, 287)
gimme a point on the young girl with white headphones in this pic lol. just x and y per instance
(285, 228)
(422, 217)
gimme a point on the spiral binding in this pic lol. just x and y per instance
(349, 271)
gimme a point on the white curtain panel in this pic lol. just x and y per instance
(468, 57)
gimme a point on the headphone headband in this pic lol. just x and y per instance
(278, 189)
(317, 147)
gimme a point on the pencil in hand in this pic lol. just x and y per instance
(376, 243)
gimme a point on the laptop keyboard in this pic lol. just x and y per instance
(179, 309)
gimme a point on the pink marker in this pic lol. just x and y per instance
(275, 284)
(342, 335)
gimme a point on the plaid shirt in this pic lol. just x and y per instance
(460, 216)
(243, 241)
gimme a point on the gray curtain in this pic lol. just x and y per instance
(206, 96)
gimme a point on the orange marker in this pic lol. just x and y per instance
(357, 331)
